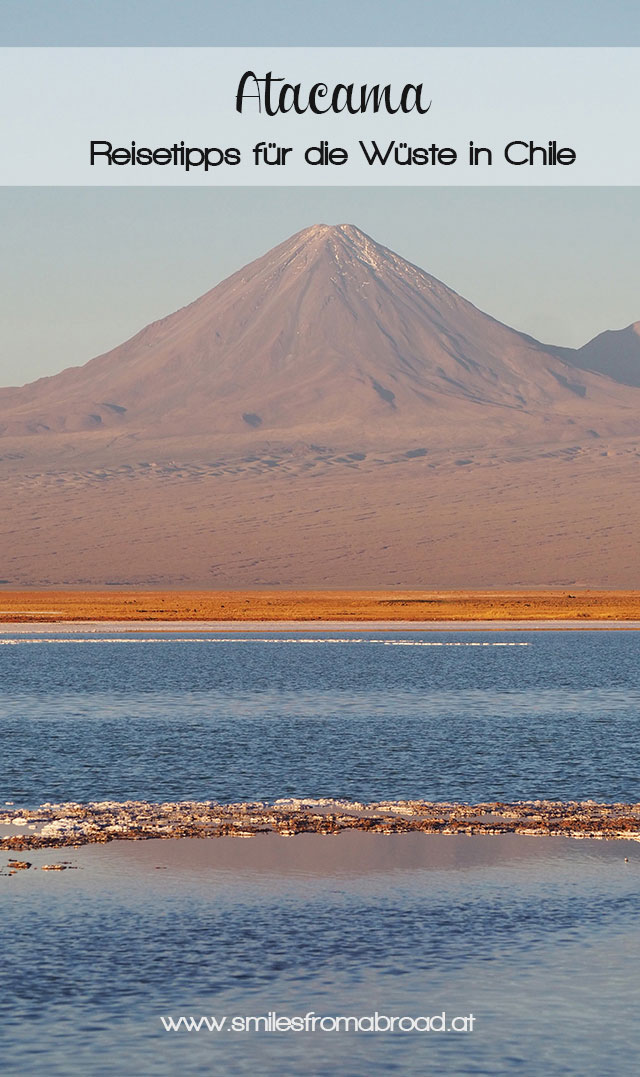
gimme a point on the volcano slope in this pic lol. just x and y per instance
(329, 416)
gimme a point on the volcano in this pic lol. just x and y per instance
(329, 416)
(329, 337)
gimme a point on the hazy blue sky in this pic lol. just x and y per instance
(320, 22)
(83, 269)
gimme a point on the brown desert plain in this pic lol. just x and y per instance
(329, 417)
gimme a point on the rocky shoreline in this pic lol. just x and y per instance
(73, 825)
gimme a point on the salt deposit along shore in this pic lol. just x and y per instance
(71, 824)
(194, 629)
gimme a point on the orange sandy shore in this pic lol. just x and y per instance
(62, 606)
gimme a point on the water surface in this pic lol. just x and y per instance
(538, 938)
(465, 716)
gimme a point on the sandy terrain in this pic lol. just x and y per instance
(318, 607)
(565, 519)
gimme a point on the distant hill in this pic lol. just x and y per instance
(615, 353)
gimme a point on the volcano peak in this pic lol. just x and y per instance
(329, 337)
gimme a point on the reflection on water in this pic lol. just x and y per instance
(538, 938)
